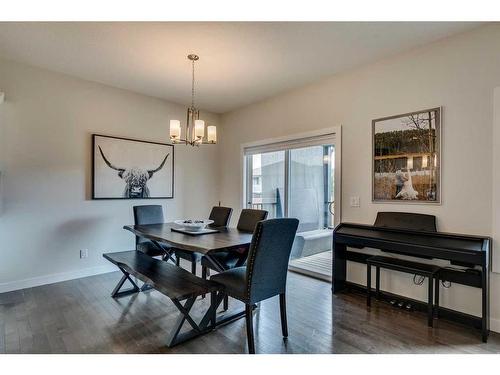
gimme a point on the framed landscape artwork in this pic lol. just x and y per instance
(131, 169)
(407, 157)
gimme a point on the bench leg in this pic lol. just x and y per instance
(207, 323)
(184, 314)
(126, 276)
(368, 284)
(377, 282)
(430, 302)
(193, 267)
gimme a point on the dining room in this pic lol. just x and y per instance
(238, 188)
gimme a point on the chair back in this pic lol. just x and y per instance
(147, 214)
(220, 216)
(406, 220)
(267, 263)
(249, 218)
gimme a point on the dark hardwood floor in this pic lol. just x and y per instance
(79, 316)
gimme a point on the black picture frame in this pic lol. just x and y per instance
(94, 197)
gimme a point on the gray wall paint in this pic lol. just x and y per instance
(46, 126)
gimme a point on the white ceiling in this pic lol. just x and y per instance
(240, 63)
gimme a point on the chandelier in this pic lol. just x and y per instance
(195, 128)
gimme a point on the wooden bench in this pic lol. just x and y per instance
(172, 281)
(427, 270)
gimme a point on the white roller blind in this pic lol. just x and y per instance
(324, 139)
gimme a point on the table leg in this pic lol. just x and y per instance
(166, 251)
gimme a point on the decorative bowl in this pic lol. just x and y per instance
(193, 225)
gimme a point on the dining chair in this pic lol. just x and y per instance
(229, 259)
(265, 274)
(220, 216)
(144, 215)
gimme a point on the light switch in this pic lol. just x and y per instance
(354, 201)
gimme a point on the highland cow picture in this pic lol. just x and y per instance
(407, 157)
(131, 169)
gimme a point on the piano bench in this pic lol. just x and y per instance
(427, 270)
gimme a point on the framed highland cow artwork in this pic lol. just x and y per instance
(407, 157)
(131, 169)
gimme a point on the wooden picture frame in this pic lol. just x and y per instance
(406, 158)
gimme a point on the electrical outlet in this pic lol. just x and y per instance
(84, 253)
(354, 201)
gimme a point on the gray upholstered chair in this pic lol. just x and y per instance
(220, 216)
(143, 215)
(265, 274)
(230, 259)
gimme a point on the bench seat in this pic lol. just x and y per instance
(427, 270)
(403, 265)
(170, 280)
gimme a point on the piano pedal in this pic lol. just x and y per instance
(401, 304)
(393, 302)
(408, 307)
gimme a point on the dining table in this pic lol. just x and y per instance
(166, 238)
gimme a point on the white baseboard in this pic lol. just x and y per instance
(54, 278)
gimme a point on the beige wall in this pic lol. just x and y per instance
(459, 74)
(46, 125)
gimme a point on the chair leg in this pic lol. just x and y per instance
(284, 325)
(177, 261)
(226, 302)
(203, 276)
(249, 322)
(193, 267)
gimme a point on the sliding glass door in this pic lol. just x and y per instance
(296, 181)
(311, 187)
(266, 182)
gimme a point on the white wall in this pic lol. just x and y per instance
(46, 124)
(459, 74)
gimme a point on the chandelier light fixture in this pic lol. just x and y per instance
(195, 128)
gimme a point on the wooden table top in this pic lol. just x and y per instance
(226, 239)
